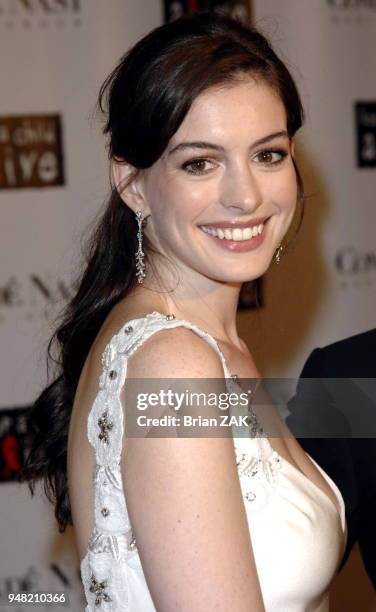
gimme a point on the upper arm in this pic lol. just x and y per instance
(184, 498)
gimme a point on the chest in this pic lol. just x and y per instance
(241, 363)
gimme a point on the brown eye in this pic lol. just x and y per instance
(196, 166)
(271, 157)
(266, 156)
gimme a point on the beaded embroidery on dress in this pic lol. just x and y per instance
(295, 528)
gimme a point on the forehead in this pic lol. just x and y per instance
(248, 109)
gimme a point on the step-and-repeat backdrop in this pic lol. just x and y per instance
(54, 55)
(325, 286)
(54, 179)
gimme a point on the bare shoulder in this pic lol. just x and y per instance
(175, 352)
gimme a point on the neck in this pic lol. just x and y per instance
(209, 304)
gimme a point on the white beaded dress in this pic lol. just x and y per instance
(297, 533)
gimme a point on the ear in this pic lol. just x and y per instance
(130, 185)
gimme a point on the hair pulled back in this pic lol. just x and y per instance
(145, 99)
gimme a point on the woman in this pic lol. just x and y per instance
(201, 119)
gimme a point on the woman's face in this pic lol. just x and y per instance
(223, 194)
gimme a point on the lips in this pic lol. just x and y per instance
(237, 239)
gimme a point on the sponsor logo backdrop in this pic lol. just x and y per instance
(325, 286)
(53, 179)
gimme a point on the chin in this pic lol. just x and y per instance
(240, 278)
(245, 273)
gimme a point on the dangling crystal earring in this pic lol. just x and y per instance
(278, 253)
(140, 255)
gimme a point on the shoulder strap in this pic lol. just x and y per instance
(105, 421)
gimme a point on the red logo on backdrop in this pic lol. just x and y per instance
(237, 8)
(12, 443)
(30, 151)
(193, 5)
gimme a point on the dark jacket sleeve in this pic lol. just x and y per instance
(322, 431)
(325, 406)
(363, 453)
(314, 412)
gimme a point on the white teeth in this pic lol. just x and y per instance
(247, 233)
(238, 234)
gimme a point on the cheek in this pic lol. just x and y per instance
(169, 212)
(182, 202)
(284, 189)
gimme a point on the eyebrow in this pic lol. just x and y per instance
(208, 145)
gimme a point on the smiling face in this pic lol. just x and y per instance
(229, 165)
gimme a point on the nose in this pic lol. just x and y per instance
(241, 192)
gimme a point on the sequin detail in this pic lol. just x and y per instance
(254, 466)
(257, 468)
(105, 426)
(98, 587)
(132, 543)
(255, 429)
(105, 543)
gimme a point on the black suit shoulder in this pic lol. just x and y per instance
(348, 358)
(322, 404)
